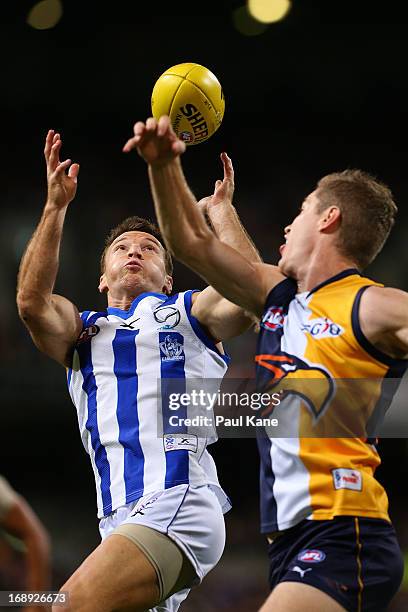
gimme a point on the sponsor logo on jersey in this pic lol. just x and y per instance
(273, 318)
(345, 478)
(172, 349)
(88, 333)
(179, 442)
(322, 328)
(141, 507)
(129, 324)
(168, 315)
(311, 556)
(295, 377)
(300, 571)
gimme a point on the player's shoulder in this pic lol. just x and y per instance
(383, 305)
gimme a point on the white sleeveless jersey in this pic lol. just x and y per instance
(125, 365)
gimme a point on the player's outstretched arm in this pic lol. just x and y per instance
(53, 322)
(184, 229)
(383, 316)
(18, 519)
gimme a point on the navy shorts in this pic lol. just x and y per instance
(355, 560)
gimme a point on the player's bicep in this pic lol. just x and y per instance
(55, 328)
(240, 281)
(221, 318)
(383, 316)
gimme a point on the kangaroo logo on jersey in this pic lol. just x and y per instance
(88, 333)
(168, 315)
(296, 377)
(171, 349)
(273, 318)
(322, 328)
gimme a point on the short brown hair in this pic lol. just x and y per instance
(136, 224)
(367, 212)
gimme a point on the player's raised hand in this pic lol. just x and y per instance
(223, 190)
(61, 176)
(155, 141)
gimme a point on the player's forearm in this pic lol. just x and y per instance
(182, 225)
(229, 229)
(39, 265)
(38, 562)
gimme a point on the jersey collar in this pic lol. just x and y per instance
(333, 279)
(124, 314)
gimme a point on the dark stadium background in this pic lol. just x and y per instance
(323, 90)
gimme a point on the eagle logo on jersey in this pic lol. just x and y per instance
(168, 315)
(295, 377)
(172, 349)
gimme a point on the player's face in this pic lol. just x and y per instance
(135, 262)
(300, 237)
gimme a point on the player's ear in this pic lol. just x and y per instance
(168, 285)
(330, 219)
(103, 285)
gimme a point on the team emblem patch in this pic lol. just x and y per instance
(88, 333)
(273, 318)
(171, 349)
(311, 556)
(169, 316)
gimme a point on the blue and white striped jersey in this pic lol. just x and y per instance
(125, 365)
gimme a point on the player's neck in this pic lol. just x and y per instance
(123, 301)
(320, 270)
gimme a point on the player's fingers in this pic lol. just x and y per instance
(48, 143)
(73, 172)
(139, 128)
(178, 147)
(151, 124)
(53, 159)
(62, 166)
(163, 125)
(132, 143)
(228, 167)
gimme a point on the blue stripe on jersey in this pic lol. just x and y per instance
(124, 314)
(173, 380)
(69, 376)
(269, 515)
(101, 459)
(124, 349)
(198, 330)
(84, 315)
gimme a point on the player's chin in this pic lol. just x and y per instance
(284, 266)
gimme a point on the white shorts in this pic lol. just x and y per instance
(191, 516)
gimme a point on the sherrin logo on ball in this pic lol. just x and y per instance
(192, 97)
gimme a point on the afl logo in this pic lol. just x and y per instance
(273, 318)
(186, 136)
(311, 556)
(88, 333)
(168, 315)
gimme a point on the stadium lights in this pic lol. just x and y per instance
(269, 11)
(45, 14)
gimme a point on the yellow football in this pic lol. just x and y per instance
(192, 97)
